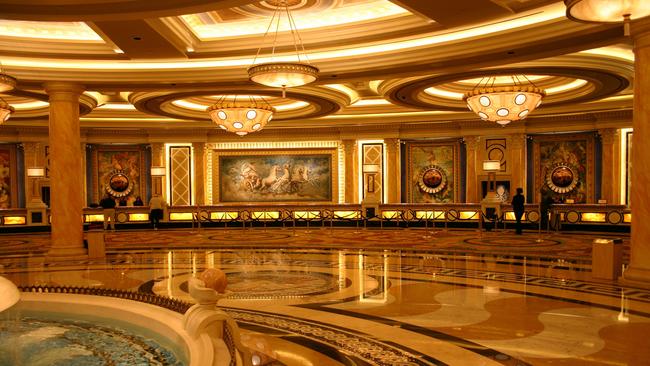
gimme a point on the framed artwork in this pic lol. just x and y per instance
(565, 168)
(8, 186)
(118, 171)
(432, 172)
(282, 176)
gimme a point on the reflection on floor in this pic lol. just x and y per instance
(391, 297)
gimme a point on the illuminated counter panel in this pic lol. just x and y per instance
(180, 216)
(389, 215)
(14, 220)
(510, 216)
(598, 217)
(468, 215)
(138, 217)
(94, 218)
(428, 215)
(299, 215)
(350, 215)
(627, 218)
(265, 215)
(229, 215)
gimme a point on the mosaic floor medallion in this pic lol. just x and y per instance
(281, 284)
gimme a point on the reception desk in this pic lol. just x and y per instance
(588, 215)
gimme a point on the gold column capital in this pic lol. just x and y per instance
(609, 135)
(63, 91)
(348, 144)
(518, 140)
(471, 142)
(392, 144)
(640, 33)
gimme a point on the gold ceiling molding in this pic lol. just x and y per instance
(301, 103)
(444, 51)
(107, 10)
(569, 85)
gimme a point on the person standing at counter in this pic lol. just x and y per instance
(156, 206)
(518, 207)
(108, 204)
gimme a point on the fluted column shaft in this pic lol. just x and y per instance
(518, 162)
(392, 170)
(471, 191)
(611, 183)
(639, 269)
(351, 185)
(199, 172)
(66, 170)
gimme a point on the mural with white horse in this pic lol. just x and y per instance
(275, 178)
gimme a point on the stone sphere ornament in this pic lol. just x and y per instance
(215, 279)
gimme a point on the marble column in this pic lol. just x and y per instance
(199, 173)
(517, 162)
(471, 181)
(66, 170)
(639, 269)
(351, 179)
(610, 189)
(393, 170)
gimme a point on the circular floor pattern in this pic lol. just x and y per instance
(237, 236)
(510, 242)
(279, 284)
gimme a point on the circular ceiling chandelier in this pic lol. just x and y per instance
(607, 11)
(7, 83)
(283, 74)
(241, 117)
(5, 111)
(503, 103)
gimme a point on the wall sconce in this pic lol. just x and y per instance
(491, 167)
(158, 171)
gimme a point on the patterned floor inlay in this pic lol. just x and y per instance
(373, 297)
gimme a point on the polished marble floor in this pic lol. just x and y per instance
(379, 297)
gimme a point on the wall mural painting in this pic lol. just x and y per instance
(5, 178)
(118, 173)
(276, 178)
(565, 169)
(432, 172)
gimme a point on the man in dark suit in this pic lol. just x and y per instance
(518, 207)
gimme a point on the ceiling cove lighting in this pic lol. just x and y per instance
(241, 116)
(607, 11)
(504, 103)
(283, 74)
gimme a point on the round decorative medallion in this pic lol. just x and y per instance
(614, 217)
(432, 179)
(119, 184)
(561, 178)
(572, 217)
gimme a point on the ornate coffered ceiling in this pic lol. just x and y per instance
(159, 64)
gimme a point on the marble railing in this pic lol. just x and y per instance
(333, 214)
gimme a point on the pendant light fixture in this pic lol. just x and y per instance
(607, 11)
(283, 74)
(241, 116)
(504, 103)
